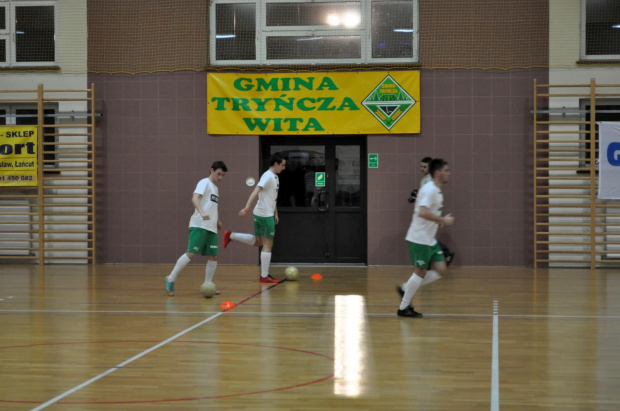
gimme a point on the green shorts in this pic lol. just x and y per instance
(423, 255)
(265, 226)
(202, 241)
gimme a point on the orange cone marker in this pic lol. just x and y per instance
(316, 276)
(227, 305)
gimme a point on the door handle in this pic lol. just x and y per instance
(322, 202)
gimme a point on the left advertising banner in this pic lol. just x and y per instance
(18, 156)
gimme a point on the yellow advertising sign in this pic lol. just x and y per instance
(314, 103)
(18, 156)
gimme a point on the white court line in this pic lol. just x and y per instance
(301, 313)
(121, 365)
(495, 360)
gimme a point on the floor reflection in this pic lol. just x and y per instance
(349, 345)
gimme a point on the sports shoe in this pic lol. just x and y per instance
(268, 280)
(169, 287)
(218, 292)
(227, 238)
(400, 290)
(408, 312)
(449, 256)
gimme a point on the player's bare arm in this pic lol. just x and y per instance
(253, 197)
(425, 213)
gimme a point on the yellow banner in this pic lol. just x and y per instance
(18, 156)
(314, 103)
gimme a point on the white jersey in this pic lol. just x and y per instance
(208, 202)
(266, 205)
(425, 180)
(421, 230)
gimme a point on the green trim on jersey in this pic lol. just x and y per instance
(202, 242)
(423, 255)
(265, 226)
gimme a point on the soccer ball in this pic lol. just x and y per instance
(291, 273)
(208, 289)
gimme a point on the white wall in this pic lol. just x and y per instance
(71, 56)
(72, 60)
(564, 55)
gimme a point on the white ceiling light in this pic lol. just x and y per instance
(333, 20)
(351, 19)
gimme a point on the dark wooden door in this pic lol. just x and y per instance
(321, 200)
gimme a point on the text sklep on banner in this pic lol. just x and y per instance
(18, 156)
(609, 160)
(314, 103)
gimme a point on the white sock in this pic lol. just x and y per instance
(248, 239)
(265, 259)
(180, 265)
(431, 276)
(211, 266)
(412, 286)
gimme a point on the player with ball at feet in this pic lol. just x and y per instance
(423, 247)
(203, 227)
(265, 216)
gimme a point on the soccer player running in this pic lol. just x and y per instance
(424, 168)
(203, 226)
(423, 247)
(265, 216)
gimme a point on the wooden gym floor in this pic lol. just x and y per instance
(78, 337)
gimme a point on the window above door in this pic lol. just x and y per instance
(296, 32)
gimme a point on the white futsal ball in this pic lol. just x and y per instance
(291, 273)
(208, 289)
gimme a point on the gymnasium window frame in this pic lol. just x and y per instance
(608, 30)
(26, 114)
(14, 55)
(364, 33)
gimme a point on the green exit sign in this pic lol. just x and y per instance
(373, 160)
(319, 179)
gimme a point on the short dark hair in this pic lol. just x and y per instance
(436, 164)
(426, 160)
(219, 164)
(275, 158)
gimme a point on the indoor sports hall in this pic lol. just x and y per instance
(111, 112)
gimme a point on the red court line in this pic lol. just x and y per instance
(254, 295)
